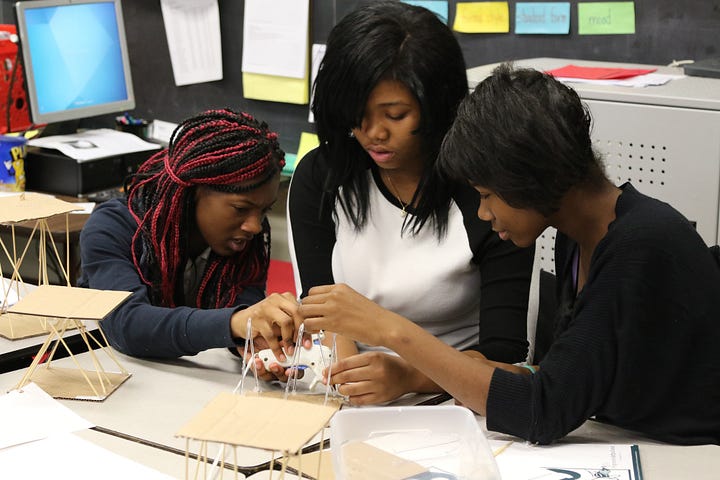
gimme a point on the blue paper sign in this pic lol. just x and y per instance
(439, 7)
(542, 17)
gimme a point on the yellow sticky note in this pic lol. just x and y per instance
(482, 17)
(308, 141)
(276, 89)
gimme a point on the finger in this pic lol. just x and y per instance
(356, 389)
(287, 332)
(351, 375)
(289, 297)
(260, 370)
(291, 371)
(318, 290)
(278, 372)
(266, 331)
(314, 325)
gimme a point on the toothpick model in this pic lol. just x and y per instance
(52, 310)
(270, 421)
(70, 306)
(28, 207)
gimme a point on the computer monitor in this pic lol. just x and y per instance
(75, 57)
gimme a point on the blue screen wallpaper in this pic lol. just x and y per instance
(76, 56)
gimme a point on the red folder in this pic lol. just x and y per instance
(597, 73)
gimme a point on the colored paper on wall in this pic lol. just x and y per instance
(275, 89)
(542, 17)
(482, 17)
(308, 141)
(606, 18)
(438, 7)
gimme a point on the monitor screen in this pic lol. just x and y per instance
(75, 58)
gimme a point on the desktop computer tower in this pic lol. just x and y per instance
(53, 172)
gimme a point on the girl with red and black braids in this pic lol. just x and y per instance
(192, 242)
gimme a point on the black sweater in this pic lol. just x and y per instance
(637, 348)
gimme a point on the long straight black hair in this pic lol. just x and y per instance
(396, 41)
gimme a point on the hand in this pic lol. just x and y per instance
(340, 309)
(274, 322)
(372, 377)
(274, 371)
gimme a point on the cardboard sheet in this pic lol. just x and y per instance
(316, 464)
(70, 302)
(73, 385)
(258, 422)
(15, 326)
(362, 461)
(32, 206)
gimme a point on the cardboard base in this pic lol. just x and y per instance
(316, 399)
(258, 422)
(72, 385)
(14, 326)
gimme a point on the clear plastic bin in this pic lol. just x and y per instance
(419, 443)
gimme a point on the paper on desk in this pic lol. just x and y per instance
(192, 28)
(66, 456)
(87, 208)
(640, 81)
(92, 144)
(524, 461)
(31, 414)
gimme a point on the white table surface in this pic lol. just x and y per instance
(161, 396)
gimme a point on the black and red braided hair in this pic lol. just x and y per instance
(217, 149)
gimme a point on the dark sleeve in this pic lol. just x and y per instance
(137, 327)
(627, 300)
(312, 236)
(505, 285)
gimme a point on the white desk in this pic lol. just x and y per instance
(162, 461)
(664, 139)
(161, 396)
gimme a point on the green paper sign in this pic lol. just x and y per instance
(606, 18)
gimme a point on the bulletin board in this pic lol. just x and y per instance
(666, 30)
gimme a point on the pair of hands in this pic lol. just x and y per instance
(366, 378)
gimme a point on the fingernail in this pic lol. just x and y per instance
(282, 357)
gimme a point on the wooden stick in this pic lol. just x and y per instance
(322, 441)
(63, 323)
(82, 370)
(65, 272)
(67, 248)
(105, 348)
(235, 459)
(187, 457)
(35, 362)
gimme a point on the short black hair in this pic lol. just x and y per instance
(525, 136)
(378, 41)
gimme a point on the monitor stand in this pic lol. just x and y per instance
(67, 127)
